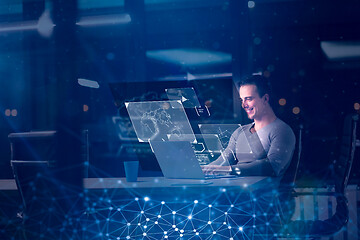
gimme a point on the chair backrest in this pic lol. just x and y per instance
(32, 153)
(343, 166)
(346, 155)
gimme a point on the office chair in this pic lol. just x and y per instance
(314, 229)
(46, 198)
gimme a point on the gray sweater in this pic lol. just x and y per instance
(267, 152)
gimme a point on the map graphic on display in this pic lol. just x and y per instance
(157, 120)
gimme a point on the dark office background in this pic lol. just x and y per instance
(309, 50)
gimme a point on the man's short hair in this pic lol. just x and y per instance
(262, 84)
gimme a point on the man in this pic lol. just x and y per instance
(272, 141)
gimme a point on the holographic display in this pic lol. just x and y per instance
(224, 131)
(186, 95)
(157, 120)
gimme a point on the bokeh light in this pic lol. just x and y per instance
(14, 112)
(282, 101)
(357, 106)
(296, 110)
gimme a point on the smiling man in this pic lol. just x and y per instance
(271, 140)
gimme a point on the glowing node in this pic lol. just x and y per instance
(142, 212)
(232, 205)
(251, 4)
(190, 217)
(209, 222)
(196, 233)
(156, 222)
(165, 236)
(254, 216)
(144, 234)
(181, 235)
(162, 202)
(146, 199)
(139, 224)
(176, 229)
(210, 206)
(231, 239)
(159, 216)
(173, 212)
(245, 185)
(214, 232)
(128, 224)
(296, 110)
(282, 101)
(241, 229)
(194, 230)
(111, 208)
(173, 226)
(165, 232)
(148, 219)
(118, 209)
(224, 223)
(136, 199)
(145, 226)
(229, 227)
(196, 201)
(182, 230)
(225, 213)
(267, 223)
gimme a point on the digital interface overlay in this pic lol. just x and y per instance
(157, 120)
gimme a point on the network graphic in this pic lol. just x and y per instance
(120, 213)
(157, 120)
(221, 215)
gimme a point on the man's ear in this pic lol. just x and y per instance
(266, 98)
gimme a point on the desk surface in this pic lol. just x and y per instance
(158, 182)
(161, 182)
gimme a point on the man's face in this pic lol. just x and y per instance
(253, 104)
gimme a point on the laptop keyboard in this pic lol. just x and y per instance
(203, 158)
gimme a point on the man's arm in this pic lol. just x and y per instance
(278, 157)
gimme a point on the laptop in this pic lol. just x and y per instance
(177, 159)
